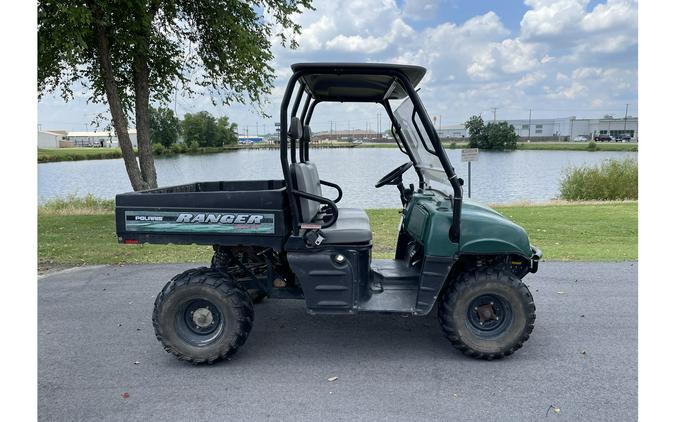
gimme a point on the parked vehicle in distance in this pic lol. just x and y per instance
(603, 138)
(624, 138)
(581, 138)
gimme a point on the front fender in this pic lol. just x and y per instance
(492, 246)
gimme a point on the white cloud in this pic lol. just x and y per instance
(420, 9)
(370, 44)
(551, 17)
(564, 56)
(530, 79)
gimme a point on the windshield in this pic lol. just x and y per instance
(421, 148)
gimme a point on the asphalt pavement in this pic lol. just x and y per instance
(96, 345)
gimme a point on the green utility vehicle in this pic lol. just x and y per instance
(284, 239)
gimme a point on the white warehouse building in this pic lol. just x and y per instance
(564, 128)
(66, 139)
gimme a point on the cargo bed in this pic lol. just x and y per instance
(249, 212)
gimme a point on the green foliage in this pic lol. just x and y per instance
(159, 149)
(501, 136)
(592, 146)
(164, 126)
(477, 135)
(612, 180)
(225, 44)
(204, 130)
(179, 148)
(73, 205)
(76, 154)
(497, 136)
(227, 131)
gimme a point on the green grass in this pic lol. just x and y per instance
(76, 154)
(588, 232)
(540, 146)
(576, 146)
(581, 232)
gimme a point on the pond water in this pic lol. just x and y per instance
(497, 177)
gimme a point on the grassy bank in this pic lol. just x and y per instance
(576, 146)
(539, 146)
(592, 232)
(77, 154)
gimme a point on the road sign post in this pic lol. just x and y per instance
(469, 155)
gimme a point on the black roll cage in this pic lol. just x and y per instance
(398, 77)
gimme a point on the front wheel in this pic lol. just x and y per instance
(202, 316)
(487, 314)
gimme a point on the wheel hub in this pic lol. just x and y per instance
(488, 314)
(199, 321)
(202, 317)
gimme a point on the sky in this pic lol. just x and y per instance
(557, 58)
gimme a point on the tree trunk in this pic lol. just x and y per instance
(119, 119)
(142, 96)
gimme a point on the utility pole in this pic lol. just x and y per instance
(529, 126)
(379, 126)
(625, 119)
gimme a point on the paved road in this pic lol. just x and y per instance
(94, 323)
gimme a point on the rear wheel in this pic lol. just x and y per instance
(202, 316)
(487, 314)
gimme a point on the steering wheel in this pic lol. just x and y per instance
(394, 175)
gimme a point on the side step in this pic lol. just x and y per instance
(394, 274)
(394, 287)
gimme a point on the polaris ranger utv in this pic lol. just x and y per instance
(285, 239)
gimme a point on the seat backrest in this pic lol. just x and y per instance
(295, 128)
(306, 134)
(307, 180)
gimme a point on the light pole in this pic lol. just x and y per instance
(625, 118)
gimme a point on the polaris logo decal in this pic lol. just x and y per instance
(198, 222)
(148, 218)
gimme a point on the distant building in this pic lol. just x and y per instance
(50, 138)
(250, 139)
(66, 139)
(563, 128)
(99, 139)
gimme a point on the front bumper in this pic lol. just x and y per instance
(536, 256)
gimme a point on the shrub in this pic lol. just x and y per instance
(592, 146)
(495, 135)
(158, 149)
(179, 148)
(453, 145)
(612, 180)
